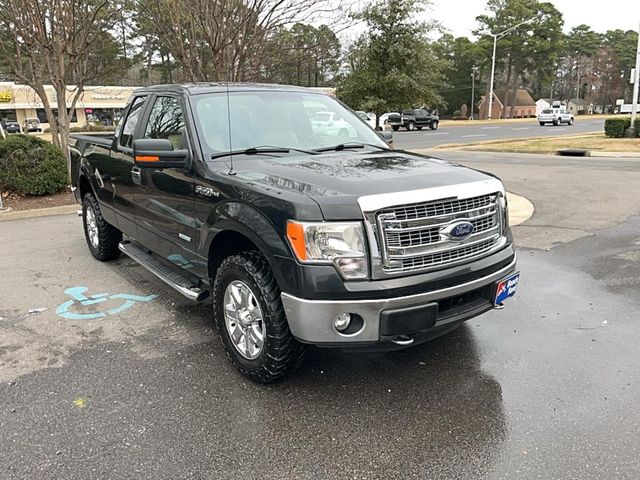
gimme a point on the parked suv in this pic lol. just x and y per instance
(413, 120)
(298, 234)
(31, 125)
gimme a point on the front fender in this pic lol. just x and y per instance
(246, 220)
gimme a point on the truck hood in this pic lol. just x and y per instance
(336, 181)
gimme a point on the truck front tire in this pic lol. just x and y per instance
(411, 127)
(434, 125)
(250, 318)
(102, 238)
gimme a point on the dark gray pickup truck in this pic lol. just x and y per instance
(301, 233)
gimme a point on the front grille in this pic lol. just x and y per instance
(443, 207)
(444, 258)
(415, 237)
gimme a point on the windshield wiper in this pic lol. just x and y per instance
(348, 146)
(261, 150)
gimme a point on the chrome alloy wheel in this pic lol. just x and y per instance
(243, 318)
(92, 227)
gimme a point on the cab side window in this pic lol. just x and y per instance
(130, 124)
(167, 121)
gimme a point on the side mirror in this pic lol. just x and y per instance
(387, 137)
(158, 153)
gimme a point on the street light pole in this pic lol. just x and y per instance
(474, 70)
(493, 72)
(493, 60)
(636, 81)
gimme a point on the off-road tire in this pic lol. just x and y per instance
(570, 122)
(434, 125)
(108, 236)
(281, 352)
(395, 128)
(411, 126)
(542, 124)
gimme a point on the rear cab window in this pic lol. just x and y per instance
(131, 122)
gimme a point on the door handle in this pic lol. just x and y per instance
(136, 175)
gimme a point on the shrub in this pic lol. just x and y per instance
(31, 166)
(615, 127)
(636, 129)
(457, 113)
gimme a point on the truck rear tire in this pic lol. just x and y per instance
(395, 128)
(102, 238)
(411, 126)
(250, 318)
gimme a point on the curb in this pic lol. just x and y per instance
(38, 212)
(614, 154)
(520, 209)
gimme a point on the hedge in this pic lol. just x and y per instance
(615, 127)
(31, 166)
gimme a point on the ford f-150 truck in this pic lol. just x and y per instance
(301, 235)
(413, 120)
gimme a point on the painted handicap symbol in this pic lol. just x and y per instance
(78, 296)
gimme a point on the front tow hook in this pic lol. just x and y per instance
(402, 340)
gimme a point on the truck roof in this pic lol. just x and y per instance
(217, 87)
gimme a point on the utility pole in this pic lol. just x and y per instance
(634, 104)
(4, 137)
(493, 61)
(474, 70)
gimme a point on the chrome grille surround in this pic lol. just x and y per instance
(407, 231)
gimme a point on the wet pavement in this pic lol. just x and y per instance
(547, 388)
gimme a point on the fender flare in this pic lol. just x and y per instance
(246, 220)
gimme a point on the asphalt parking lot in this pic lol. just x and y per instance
(134, 383)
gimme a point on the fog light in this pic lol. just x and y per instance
(342, 322)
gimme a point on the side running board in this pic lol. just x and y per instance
(185, 284)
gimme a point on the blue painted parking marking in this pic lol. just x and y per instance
(78, 297)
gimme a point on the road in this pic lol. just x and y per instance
(547, 388)
(469, 133)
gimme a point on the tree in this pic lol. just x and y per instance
(528, 55)
(622, 44)
(55, 42)
(393, 65)
(223, 39)
(301, 55)
(462, 55)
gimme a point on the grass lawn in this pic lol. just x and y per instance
(594, 142)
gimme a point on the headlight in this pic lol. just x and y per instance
(339, 243)
(504, 209)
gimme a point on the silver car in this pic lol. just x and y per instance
(556, 116)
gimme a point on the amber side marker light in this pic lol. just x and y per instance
(147, 158)
(295, 234)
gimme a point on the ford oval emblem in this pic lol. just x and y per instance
(460, 230)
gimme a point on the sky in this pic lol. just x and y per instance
(459, 16)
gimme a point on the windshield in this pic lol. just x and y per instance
(547, 111)
(294, 120)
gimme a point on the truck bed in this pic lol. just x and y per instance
(102, 139)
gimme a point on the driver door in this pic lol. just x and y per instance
(164, 197)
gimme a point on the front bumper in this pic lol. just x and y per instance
(311, 321)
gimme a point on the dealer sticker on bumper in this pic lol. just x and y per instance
(506, 288)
